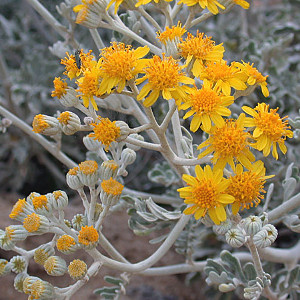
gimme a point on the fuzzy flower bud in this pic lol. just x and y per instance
(222, 228)
(46, 125)
(5, 267)
(43, 253)
(111, 192)
(91, 144)
(128, 157)
(77, 269)
(252, 225)
(27, 283)
(20, 210)
(108, 169)
(136, 137)
(235, 238)
(265, 237)
(16, 233)
(18, 282)
(88, 237)
(31, 196)
(88, 121)
(18, 264)
(36, 224)
(42, 204)
(98, 211)
(60, 200)
(88, 172)
(124, 130)
(73, 180)
(69, 99)
(55, 266)
(69, 122)
(66, 244)
(5, 243)
(40, 289)
(78, 221)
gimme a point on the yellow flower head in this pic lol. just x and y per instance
(164, 77)
(77, 269)
(88, 167)
(206, 193)
(39, 124)
(171, 34)
(211, 5)
(247, 187)
(40, 202)
(269, 129)
(144, 2)
(199, 50)
(224, 77)
(72, 70)
(32, 222)
(254, 76)
(88, 235)
(105, 131)
(18, 208)
(229, 143)
(207, 106)
(65, 242)
(60, 87)
(112, 187)
(119, 64)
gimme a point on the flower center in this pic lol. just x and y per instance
(88, 167)
(40, 201)
(205, 100)
(112, 186)
(39, 124)
(164, 73)
(229, 140)
(32, 222)
(88, 235)
(65, 242)
(64, 117)
(18, 208)
(205, 194)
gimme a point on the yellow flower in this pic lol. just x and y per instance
(119, 64)
(112, 187)
(33, 222)
(39, 124)
(211, 5)
(144, 2)
(247, 187)
(88, 85)
(65, 243)
(208, 106)
(88, 236)
(164, 78)
(224, 77)
(254, 76)
(229, 143)
(60, 87)
(77, 269)
(117, 5)
(198, 50)
(244, 4)
(72, 71)
(269, 129)
(171, 34)
(206, 193)
(105, 131)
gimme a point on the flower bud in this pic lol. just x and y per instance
(36, 224)
(77, 269)
(31, 196)
(43, 204)
(261, 240)
(18, 264)
(69, 99)
(124, 130)
(136, 137)
(18, 282)
(16, 233)
(252, 225)
(73, 180)
(41, 289)
(69, 122)
(235, 238)
(108, 169)
(66, 244)
(5, 243)
(222, 228)
(43, 253)
(272, 232)
(78, 221)
(128, 157)
(91, 144)
(88, 237)
(5, 267)
(55, 266)
(60, 200)
(20, 210)
(111, 192)
(45, 125)
(88, 172)
(27, 283)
